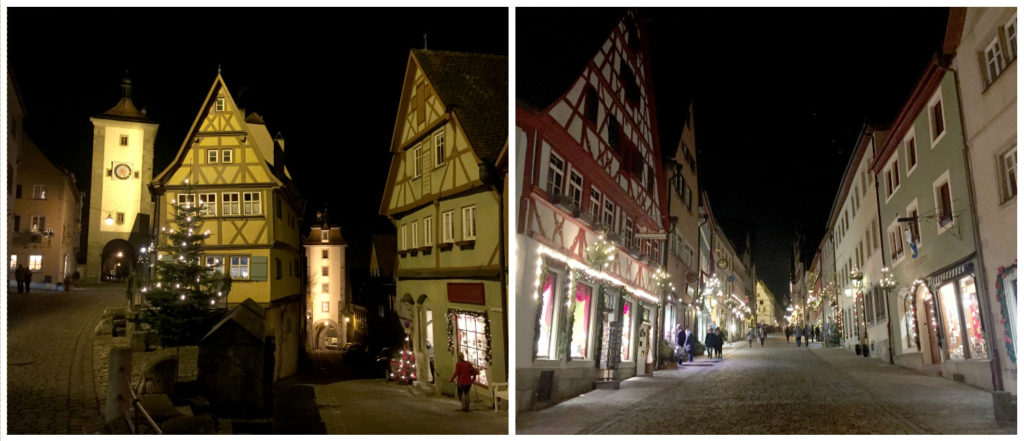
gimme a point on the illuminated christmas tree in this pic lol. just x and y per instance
(181, 291)
(405, 371)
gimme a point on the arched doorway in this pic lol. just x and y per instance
(928, 325)
(117, 260)
(327, 335)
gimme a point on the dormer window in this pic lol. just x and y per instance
(325, 235)
(221, 104)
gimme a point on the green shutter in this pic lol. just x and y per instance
(258, 269)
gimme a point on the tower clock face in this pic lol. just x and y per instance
(122, 171)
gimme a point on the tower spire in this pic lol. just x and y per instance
(126, 86)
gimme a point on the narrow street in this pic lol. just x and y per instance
(49, 359)
(778, 389)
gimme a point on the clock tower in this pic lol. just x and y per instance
(120, 205)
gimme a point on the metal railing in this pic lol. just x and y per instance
(132, 418)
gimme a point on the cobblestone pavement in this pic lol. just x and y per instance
(50, 359)
(782, 389)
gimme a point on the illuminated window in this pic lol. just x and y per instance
(239, 267)
(221, 104)
(325, 235)
(951, 321)
(13, 262)
(251, 205)
(548, 317)
(428, 231)
(124, 140)
(226, 156)
(39, 191)
(468, 223)
(208, 202)
(229, 204)
(215, 262)
(447, 226)
(627, 331)
(212, 155)
(325, 306)
(35, 262)
(580, 345)
(38, 224)
(471, 340)
(439, 148)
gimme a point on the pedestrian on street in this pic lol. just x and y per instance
(466, 374)
(430, 358)
(808, 334)
(719, 341)
(28, 280)
(750, 338)
(762, 336)
(19, 275)
(681, 343)
(817, 333)
(709, 342)
(789, 333)
(689, 342)
(798, 332)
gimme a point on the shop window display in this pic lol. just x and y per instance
(627, 327)
(972, 318)
(472, 342)
(581, 322)
(951, 322)
(547, 318)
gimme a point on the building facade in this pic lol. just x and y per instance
(120, 203)
(329, 312)
(253, 214)
(47, 219)
(15, 137)
(987, 71)
(448, 136)
(766, 306)
(590, 224)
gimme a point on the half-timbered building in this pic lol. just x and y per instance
(252, 214)
(446, 148)
(590, 174)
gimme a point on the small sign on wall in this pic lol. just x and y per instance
(471, 293)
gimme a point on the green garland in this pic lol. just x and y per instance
(451, 330)
(1001, 296)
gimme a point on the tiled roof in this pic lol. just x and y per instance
(476, 87)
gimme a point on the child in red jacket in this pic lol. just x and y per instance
(466, 374)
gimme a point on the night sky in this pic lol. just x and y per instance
(328, 79)
(779, 96)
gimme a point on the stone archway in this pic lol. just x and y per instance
(326, 335)
(117, 260)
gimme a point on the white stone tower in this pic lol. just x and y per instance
(120, 205)
(328, 315)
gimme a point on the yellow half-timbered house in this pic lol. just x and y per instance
(252, 214)
(444, 195)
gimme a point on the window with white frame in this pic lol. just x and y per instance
(447, 227)
(414, 227)
(1010, 29)
(895, 241)
(239, 267)
(943, 202)
(229, 204)
(936, 118)
(469, 222)
(579, 346)
(575, 189)
(471, 340)
(627, 230)
(38, 224)
(325, 236)
(550, 299)
(221, 104)
(417, 156)
(212, 156)
(325, 306)
(911, 147)
(226, 156)
(609, 214)
(208, 201)
(405, 236)
(439, 148)
(994, 63)
(892, 177)
(556, 174)
(186, 200)
(251, 204)
(595, 204)
(35, 262)
(215, 262)
(1008, 163)
(39, 191)
(428, 231)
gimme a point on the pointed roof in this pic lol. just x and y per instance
(125, 109)
(476, 87)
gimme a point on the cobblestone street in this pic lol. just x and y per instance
(782, 389)
(49, 365)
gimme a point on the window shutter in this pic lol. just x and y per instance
(984, 68)
(1005, 52)
(258, 268)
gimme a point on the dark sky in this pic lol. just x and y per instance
(328, 79)
(779, 96)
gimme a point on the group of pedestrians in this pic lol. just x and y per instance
(760, 333)
(24, 277)
(805, 333)
(687, 342)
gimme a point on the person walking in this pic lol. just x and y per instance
(709, 342)
(817, 333)
(789, 333)
(689, 343)
(719, 341)
(19, 275)
(28, 280)
(750, 338)
(466, 374)
(681, 344)
(798, 332)
(763, 334)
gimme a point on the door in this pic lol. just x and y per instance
(929, 326)
(643, 349)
